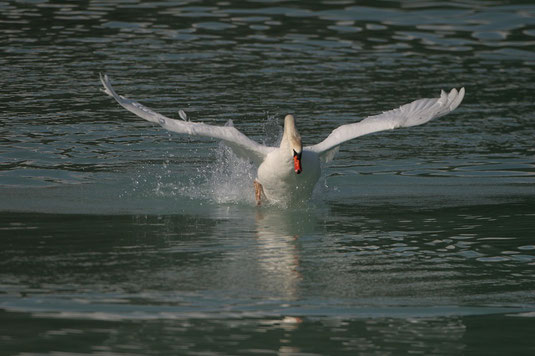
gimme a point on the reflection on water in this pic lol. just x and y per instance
(349, 255)
(117, 237)
(278, 253)
(367, 276)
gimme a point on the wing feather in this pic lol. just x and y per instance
(416, 113)
(241, 144)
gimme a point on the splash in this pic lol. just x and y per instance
(272, 131)
(230, 178)
(223, 179)
(220, 177)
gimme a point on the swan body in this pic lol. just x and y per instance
(288, 174)
(280, 183)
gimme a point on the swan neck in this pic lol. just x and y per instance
(291, 136)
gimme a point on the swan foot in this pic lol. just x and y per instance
(258, 192)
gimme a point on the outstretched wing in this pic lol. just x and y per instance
(241, 144)
(416, 113)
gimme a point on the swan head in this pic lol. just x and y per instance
(294, 140)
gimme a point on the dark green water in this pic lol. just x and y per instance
(119, 238)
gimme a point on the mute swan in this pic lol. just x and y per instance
(289, 173)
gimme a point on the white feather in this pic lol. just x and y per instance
(242, 145)
(183, 115)
(416, 113)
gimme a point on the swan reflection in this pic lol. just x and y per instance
(278, 251)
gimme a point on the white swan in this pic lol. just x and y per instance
(288, 173)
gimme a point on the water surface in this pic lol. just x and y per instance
(118, 237)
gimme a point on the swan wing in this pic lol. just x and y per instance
(240, 144)
(416, 113)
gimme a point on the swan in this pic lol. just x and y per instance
(288, 173)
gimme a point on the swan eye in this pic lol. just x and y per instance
(298, 155)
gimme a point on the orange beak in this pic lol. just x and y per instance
(297, 163)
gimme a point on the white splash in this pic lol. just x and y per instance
(224, 179)
(230, 178)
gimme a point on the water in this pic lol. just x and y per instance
(119, 238)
